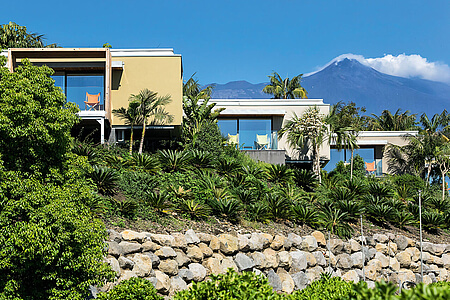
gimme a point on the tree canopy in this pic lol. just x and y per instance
(285, 88)
(16, 36)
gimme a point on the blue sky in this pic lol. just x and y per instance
(246, 40)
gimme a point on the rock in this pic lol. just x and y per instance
(155, 259)
(114, 236)
(125, 275)
(243, 243)
(194, 253)
(125, 263)
(204, 237)
(309, 243)
(228, 263)
(130, 235)
(292, 240)
(168, 266)
(395, 265)
(150, 246)
(191, 237)
(401, 241)
(344, 261)
(112, 261)
(392, 248)
(166, 252)
(179, 241)
(274, 280)
(336, 246)
(383, 259)
(142, 265)
(357, 259)
(414, 253)
(376, 263)
(369, 253)
(271, 258)
(313, 274)
(268, 237)
(320, 258)
(354, 245)
(207, 252)
(258, 242)
(427, 258)
(198, 271)
(406, 275)
(278, 242)
(372, 272)
(213, 266)
(427, 280)
(404, 258)
(437, 261)
(436, 249)
(181, 258)
(114, 249)
(259, 259)
(351, 275)
(177, 284)
(380, 238)
(446, 260)
(287, 283)
(163, 239)
(186, 274)
(320, 238)
(228, 244)
(300, 280)
(347, 248)
(285, 259)
(243, 262)
(214, 244)
(381, 248)
(310, 259)
(299, 262)
(128, 248)
(162, 282)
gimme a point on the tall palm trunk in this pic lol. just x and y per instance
(351, 166)
(141, 144)
(316, 164)
(131, 141)
(443, 186)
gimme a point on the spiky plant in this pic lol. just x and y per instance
(356, 185)
(404, 218)
(440, 204)
(145, 162)
(335, 221)
(354, 209)
(194, 209)
(225, 206)
(244, 195)
(379, 189)
(227, 166)
(125, 207)
(291, 192)
(201, 159)
(304, 214)
(432, 220)
(174, 160)
(252, 170)
(382, 212)
(105, 179)
(159, 202)
(84, 149)
(341, 194)
(258, 212)
(279, 174)
(306, 179)
(278, 207)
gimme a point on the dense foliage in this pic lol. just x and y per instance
(132, 289)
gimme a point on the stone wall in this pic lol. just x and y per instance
(172, 262)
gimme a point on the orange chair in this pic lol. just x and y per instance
(371, 168)
(92, 101)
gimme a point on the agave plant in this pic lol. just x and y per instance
(278, 207)
(194, 209)
(258, 212)
(201, 159)
(105, 179)
(159, 202)
(174, 160)
(145, 162)
(306, 179)
(279, 174)
(335, 221)
(304, 214)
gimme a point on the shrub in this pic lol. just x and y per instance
(304, 214)
(278, 207)
(157, 201)
(201, 159)
(225, 206)
(231, 286)
(279, 174)
(306, 179)
(258, 212)
(136, 185)
(105, 179)
(132, 289)
(194, 209)
(326, 288)
(144, 162)
(174, 160)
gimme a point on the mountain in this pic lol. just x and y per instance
(349, 80)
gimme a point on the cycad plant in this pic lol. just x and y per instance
(404, 218)
(201, 159)
(194, 209)
(158, 201)
(258, 212)
(105, 179)
(354, 209)
(306, 179)
(335, 221)
(125, 207)
(174, 160)
(145, 162)
(281, 174)
(278, 207)
(304, 214)
(84, 149)
(225, 206)
(432, 220)
(227, 166)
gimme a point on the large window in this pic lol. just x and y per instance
(249, 133)
(367, 154)
(76, 85)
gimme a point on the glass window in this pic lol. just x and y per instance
(227, 126)
(80, 84)
(255, 133)
(335, 157)
(60, 81)
(367, 154)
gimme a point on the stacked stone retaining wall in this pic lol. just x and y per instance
(172, 262)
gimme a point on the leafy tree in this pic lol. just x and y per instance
(16, 36)
(285, 88)
(131, 116)
(151, 106)
(308, 130)
(393, 122)
(35, 120)
(132, 289)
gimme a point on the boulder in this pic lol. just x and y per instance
(168, 266)
(125, 263)
(228, 244)
(194, 253)
(142, 265)
(258, 242)
(436, 249)
(357, 259)
(336, 246)
(161, 282)
(163, 239)
(179, 241)
(381, 248)
(299, 262)
(114, 249)
(166, 252)
(402, 242)
(380, 238)
(313, 274)
(383, 259)
(274, 281)
(278, 242)
(320, 238)
(309, 243)
(150, 246)
(446, 260)
(404, 258)
(243, 262)
(204, 237)
(130, 235)
(287, 283)
(414, 253)
(214, 244)
(351, 275)
(406, 275)
(372, 272)
(310, 259)
(186, 274)
(243, 243)
(177, 284)
(344, 261)
(300, 280)
(395, 265)
(213, 266)
(207, 252)
(198, 271)
(191, 237)
(259, 259)
(228, 263)
(285, 259)
(355, 246)
(114, 236)
(129, 248)
(271, 258)
(320, 258)
(181, 258)
(292, 240)
(114, 264)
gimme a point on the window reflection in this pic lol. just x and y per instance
(249, 133)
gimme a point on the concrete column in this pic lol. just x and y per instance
(101, 121)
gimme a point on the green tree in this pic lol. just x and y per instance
(151, 106)
(393, 122)
(285, 88)
(307, 130)
(131, 117)
(35, 120)
(16, 36)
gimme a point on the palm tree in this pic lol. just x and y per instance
(131, 117)
(393, 122)
(443, 161)
(308, 130)
(285, 88)
(16, 36)
(151, 106)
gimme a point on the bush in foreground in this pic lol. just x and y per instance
(132, 289)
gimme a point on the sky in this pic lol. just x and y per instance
(230, 40)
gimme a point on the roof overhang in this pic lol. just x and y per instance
(253, 112)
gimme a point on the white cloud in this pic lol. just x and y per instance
(401, 65)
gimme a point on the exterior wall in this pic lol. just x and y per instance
(269, 156)
(162, 74)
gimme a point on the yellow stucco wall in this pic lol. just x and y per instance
(157, 73)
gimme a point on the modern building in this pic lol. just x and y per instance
(99, 80)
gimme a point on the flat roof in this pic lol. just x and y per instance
(268, 102)
(89, 52)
